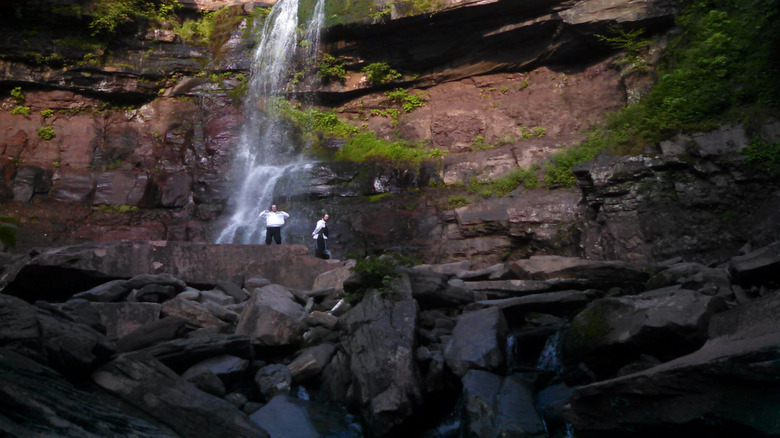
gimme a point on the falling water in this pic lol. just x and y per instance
(550, 357)
(267, 149)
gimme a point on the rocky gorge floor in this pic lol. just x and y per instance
(441, 350)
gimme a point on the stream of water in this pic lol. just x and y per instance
(267, 149)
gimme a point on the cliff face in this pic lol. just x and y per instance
(145, 126)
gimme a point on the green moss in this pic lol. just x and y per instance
(763, 156)
(587, 328)
(367, 147)
(378, 197)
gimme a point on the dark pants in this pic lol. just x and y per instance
(322, 248)
(275, 233)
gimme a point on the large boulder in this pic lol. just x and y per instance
(499, 406)
(666, 323)
(375, 368)
(37, 401)
(477, 341)
(729, 386)
(149, 385)
(272, 317)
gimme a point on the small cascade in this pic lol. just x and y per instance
(267, 149)
(550, 357)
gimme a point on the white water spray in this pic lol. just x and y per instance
(266, 150)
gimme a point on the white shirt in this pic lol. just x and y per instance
(274, 218)
(320, 225)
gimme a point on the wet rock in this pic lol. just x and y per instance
(273, 380)
(285, 416)
(499, 406)
(206, 381)
(120, 188)
(477, 341)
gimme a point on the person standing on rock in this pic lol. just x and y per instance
(273, 224)
(320, 234)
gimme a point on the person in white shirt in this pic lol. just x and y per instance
(273, 224)
(320, 234)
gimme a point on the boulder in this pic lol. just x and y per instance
(37, 401)
(375, 369)
(729, 385)
(477, 341)
(758, 267)
(228, 368)
(311, 362)
(666, 323)
(499, 406)
(273, 380)
(272, 317)
(121, 319)
(152, 333)
(108, 292)
(180, 354)
(152, 387)
(194, 313)
(284, 416)
(597, 273)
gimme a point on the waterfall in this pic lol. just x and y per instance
(266, 149)
(550, 357)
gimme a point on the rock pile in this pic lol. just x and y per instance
(535, 346)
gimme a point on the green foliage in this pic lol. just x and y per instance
(8, 230)
(367, 147)
(390, 113)
(763, 156)
(722, 67)
(111, 15)
(47, 113)
(455, 201)
(377, 271)
(379, 73)
(480, 144)
(17, 94)
(331, 68)
(21, 110)
(408, 101)
(557, 170)
(630, 42)
(506, 184)
(313, 119)
(46, 132)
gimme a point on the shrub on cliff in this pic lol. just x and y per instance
(722, 67)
